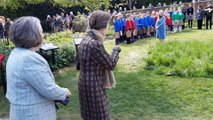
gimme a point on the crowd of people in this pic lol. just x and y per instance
(4, 27)
(58, 23)
(132, 26)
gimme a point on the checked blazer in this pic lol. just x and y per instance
(94, 60)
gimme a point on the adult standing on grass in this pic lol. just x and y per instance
(7, 27)
(94, 62)
(31, 88)
(190, 12)
(209, 12)
(161, 26)
(199, 17)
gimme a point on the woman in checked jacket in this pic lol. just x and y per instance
(94, 61)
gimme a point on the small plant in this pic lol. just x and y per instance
(65, 55)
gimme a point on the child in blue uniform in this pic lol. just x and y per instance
(136, 21)
(140, 25)
(123, 38)
(145, 25)
(149, 24)
(118, 25)
(152, 23)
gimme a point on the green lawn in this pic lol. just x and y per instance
(142, 94)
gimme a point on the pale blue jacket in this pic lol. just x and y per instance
(31, 88)
(161, 31)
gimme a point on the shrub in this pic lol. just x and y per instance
(80, 23)
(111, 31)
(186, 59)
(65, 55)
(6, 51)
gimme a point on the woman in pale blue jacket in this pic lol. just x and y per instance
(31, 88)
(161, 26)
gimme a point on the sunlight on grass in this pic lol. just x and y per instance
(141, 94)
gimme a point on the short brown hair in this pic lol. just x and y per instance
(99, 19)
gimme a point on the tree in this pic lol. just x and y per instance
(89, 5)
(65, 3)
(13, 4)
(131, 3)
(92, 5)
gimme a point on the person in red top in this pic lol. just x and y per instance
(130, 26)
(168, 22)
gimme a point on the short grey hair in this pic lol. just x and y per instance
(26, 32)
(161, 12)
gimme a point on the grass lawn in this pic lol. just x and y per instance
(142, 94)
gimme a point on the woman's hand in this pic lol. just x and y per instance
(68, 93)
(117, 48)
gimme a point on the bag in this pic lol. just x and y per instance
(117, 35)
(129, 33)
(63, 102)
(135, 32)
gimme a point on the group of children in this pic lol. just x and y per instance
(142, 25)
(174, 20)
(133, 26)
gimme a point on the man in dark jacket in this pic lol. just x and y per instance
(208, 13)
(190, 12)
(199, 17)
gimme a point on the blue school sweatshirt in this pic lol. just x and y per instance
(118, 24)
(136, 20)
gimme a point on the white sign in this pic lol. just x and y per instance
(77, 40)
(48, 46)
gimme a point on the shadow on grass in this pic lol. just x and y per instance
(140, 95)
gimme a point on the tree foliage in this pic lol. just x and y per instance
(92, 5)
(89, 5)
(14, 4)
(65, 3)
(139, 3)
